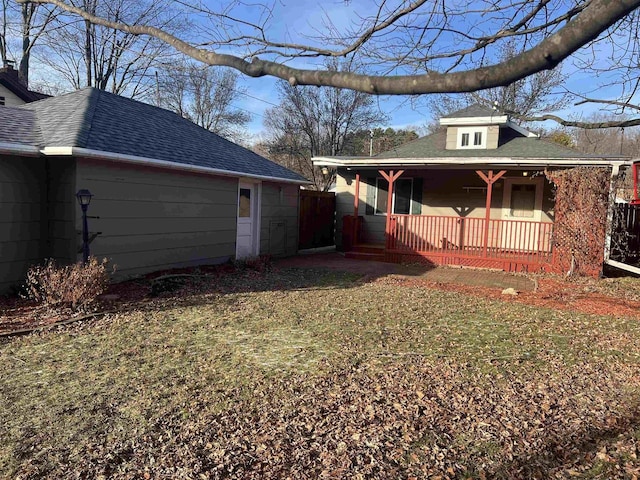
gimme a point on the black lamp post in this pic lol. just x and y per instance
(84, 199)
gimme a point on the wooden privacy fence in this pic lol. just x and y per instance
(317, 219)
(625, 235)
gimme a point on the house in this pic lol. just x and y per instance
(474, 193)
(166, 192)
(12, 91)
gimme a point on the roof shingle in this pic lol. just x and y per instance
(101, 121)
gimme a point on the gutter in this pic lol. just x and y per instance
(453, 161)
(117, 157)
(19, 149)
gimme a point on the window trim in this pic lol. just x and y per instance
(509, 182)
(471, 132)
(393, 198)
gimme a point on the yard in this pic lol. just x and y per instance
(300, 373)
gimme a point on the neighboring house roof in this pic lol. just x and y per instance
(95, 123)
(9, 79)
(514, 148)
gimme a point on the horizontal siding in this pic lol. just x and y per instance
(10, 98)
(21, 239)
(153, 219)
(61, 210)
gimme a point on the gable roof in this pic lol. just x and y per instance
(93, 122)
(9, 79)
(514, 149)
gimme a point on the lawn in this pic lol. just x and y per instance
(317, 374)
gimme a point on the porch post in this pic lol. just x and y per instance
(390, 178)
(489, 179)
(356, 206)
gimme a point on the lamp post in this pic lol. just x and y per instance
(84, 199)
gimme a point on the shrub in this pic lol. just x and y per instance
(72, 286)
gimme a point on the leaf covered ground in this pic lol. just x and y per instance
(318, 374)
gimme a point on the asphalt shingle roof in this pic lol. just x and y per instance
(19, 126)
(511, 145)
(102, 121)
(474, 110)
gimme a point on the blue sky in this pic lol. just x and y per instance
(291, 20)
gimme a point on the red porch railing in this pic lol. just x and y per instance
(513, 240)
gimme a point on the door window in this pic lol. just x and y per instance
(244, 203)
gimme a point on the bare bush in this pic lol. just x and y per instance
(67, 286)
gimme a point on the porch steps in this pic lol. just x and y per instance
(369, 252)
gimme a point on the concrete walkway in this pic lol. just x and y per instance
(465, 276)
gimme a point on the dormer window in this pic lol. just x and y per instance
(472, 137)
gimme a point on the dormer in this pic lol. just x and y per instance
(477, 128)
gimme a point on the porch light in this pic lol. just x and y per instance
(84, 199)
(325, 171)
(525, 174)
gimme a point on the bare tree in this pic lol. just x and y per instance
(4, 4)
(29, 22)
(311, 121)
(534, 95)
(87, 54)
(425, 46)
(205, 96)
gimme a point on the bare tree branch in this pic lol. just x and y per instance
(579, 30)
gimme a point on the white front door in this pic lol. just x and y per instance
(247, 239)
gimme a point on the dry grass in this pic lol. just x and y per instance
(310, 374)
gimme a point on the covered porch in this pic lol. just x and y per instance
(517, 242)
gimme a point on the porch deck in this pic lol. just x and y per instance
(510, 245)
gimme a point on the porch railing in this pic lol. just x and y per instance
(517, 239)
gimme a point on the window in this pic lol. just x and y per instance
(523, 200)
(244, 202)
(2, 101)
(402, 194)
(472, 137)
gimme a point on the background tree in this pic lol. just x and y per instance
(205, 96)
(29, 22)
(425, 46)
(86, 54)
(377, 140)
(537, 94)
(310, 122)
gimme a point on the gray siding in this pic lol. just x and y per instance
(21, 236)
(153, 219)
(61, 209)
(10, 98)
(279, 219)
